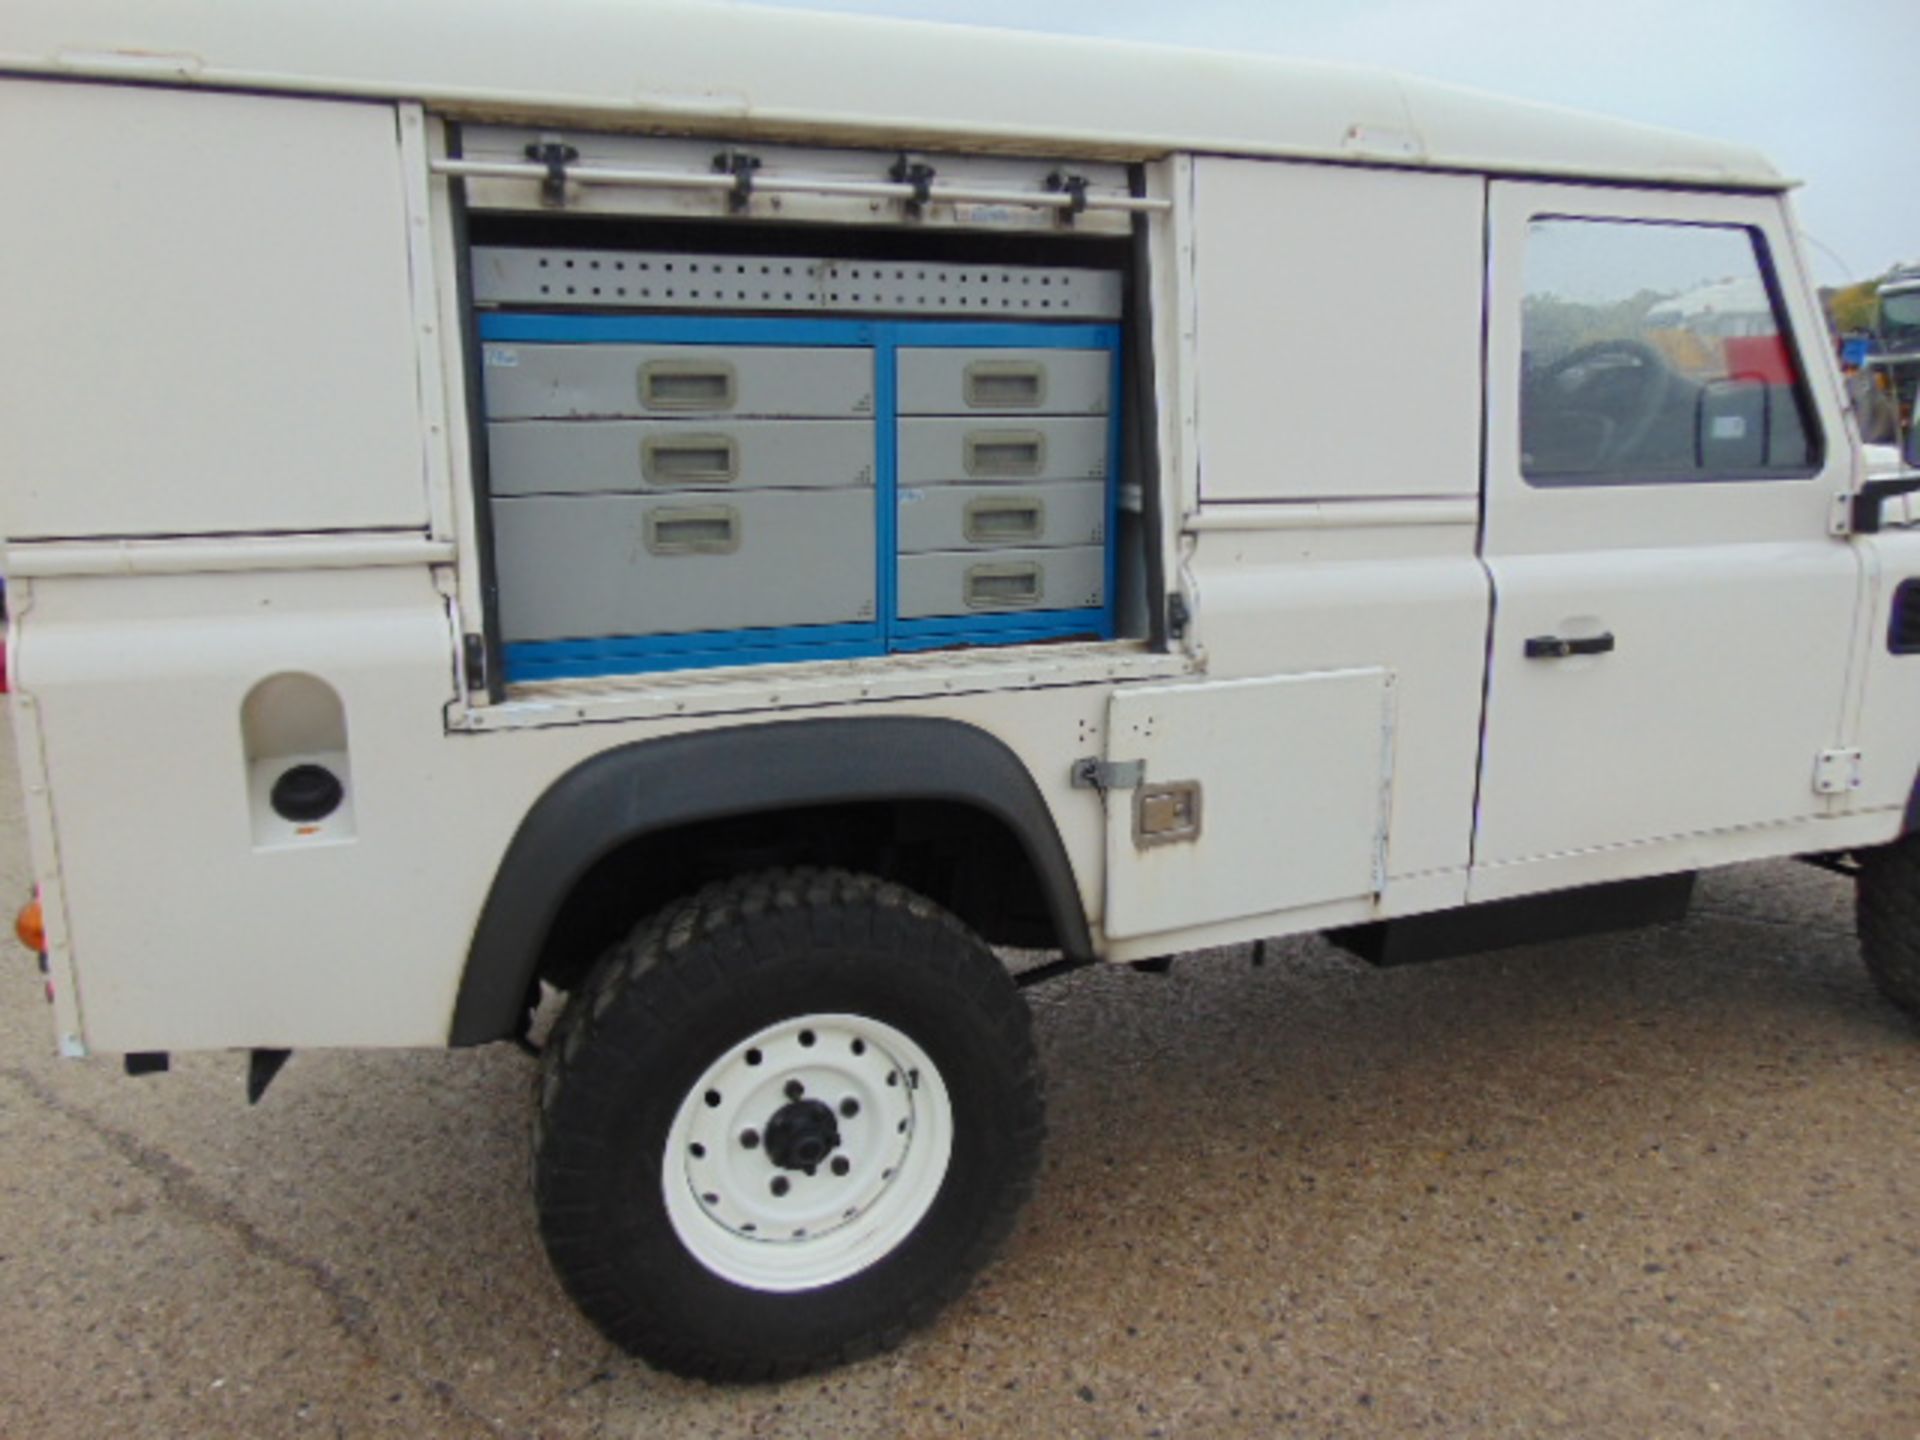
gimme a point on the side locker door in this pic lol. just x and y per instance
(1243, 796)
(1673, 609)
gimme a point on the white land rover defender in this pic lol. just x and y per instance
(732, 514)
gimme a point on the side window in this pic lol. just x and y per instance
(1656, 352)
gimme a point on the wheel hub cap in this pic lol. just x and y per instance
(801, 1135)
(807, 1152)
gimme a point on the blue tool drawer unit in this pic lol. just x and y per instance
(679, 491)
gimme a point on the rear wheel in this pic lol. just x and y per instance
(784, 1123)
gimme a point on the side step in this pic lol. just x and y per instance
(1528, 920)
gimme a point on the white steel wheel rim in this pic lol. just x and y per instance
(738, 1193)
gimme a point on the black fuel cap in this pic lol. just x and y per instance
(306, 793)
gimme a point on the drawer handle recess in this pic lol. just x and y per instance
(999, 519)
(1006, 385)
(1003, 587)
(1005, 452)
(690, 459)
(694, 530)
(688, 385)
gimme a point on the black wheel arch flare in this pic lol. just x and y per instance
(651, 786)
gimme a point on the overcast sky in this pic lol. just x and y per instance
(1827, 88)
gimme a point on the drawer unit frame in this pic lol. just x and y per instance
(632, 654)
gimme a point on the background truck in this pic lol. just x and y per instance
(1892, 362)
(575, 501)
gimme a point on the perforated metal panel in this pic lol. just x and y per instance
(608, 280)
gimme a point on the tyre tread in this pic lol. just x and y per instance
(1887, 915)
(713, 944)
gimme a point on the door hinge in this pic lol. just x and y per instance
(1835, 772)
(554, 153)
(919, 175)
(1093, 773)
(741, 167)
(475, 656)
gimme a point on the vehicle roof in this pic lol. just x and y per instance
(697, 66)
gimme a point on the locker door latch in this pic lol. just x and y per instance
(740, 166)
(556, 155)
(919, 175)
(1166, 814)
(1075, 187)
(1093, 773)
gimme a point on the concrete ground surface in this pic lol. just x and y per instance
(1665, 1184)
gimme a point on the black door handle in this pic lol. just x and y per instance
(1552, 647)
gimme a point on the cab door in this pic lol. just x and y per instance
(1673, 610)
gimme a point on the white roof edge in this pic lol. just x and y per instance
(709, 66)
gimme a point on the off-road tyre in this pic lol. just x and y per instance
(632, 1059)
(1887, 912)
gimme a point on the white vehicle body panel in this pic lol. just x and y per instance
(1281, 823)
(191, 931)
(269, 472)
(701, 68)
(1315, 329)
(1697, 722)
(1410, 599)
(197, 934)
(269, 285)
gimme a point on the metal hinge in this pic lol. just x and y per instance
(1835, 772)
(919, 175)
(740, 166)
(1093, 773)
(1074, 187)
(475, 647)
(554, 153)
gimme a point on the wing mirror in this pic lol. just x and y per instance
(1875, 493)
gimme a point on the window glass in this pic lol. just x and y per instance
(1900, 317)
(1655, 352)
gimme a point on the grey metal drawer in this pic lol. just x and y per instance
(934, 451)
(1005, 382)
(613, 381)
(592, 565)
(998, 582)
(536, 457)
(992, 517)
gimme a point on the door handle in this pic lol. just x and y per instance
(1552, 647)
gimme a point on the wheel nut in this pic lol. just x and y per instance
(780, 1186)
(795, 1089)
(840, 1165)
(849, 1107)
(750, 1139)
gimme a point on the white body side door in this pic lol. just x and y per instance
(1673, 616)
(1320, 349)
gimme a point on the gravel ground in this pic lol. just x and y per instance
(1652, 1185)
